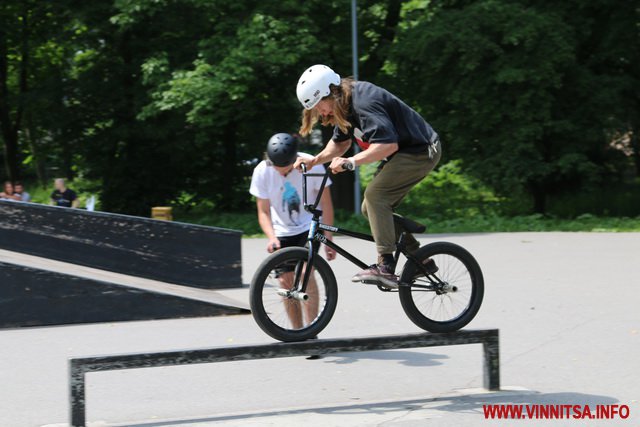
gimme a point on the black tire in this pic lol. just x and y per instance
(263, 295)
(464, 272)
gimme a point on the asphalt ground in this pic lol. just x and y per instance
(566, 305)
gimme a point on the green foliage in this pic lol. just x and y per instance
(520, 90)
(248, 223)
(622, 200)
(448, 193)
(536, 222)
(165, 101)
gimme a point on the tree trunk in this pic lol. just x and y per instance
(121, 163)
(229, 165)
(30, 137)
(10, 127)
(378, 55)
(539, 198)
(11, 154)
(67, 160)
(635, 145)
(9, 133)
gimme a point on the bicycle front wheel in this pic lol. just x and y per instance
(277, 304)
(448, 299)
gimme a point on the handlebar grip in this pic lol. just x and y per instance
(303, 166)
(348, 166)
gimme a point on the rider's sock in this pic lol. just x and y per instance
(388, 261)
(411, 243)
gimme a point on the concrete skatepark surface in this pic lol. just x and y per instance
(566, 305)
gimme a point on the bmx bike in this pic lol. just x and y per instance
(294, 292)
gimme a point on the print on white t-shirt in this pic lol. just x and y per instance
(291, 202)
(285, 196)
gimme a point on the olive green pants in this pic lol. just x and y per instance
(385, 192)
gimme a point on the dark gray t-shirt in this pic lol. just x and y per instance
(378, 116)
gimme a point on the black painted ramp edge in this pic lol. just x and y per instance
(174, 252)
(33, 297)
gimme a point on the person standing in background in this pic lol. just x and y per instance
(18, 189)
(8, 193)
(63, 196)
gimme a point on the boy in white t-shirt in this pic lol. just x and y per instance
(277, 187)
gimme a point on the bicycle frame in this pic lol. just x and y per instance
(316, 237)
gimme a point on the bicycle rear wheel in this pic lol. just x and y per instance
(276, 305)
(448, 299)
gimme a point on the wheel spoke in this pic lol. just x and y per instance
(448, 305)
(289, 313)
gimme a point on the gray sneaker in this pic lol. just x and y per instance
(377, 274)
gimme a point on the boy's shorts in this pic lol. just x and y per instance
(288, 242)
(297, 240)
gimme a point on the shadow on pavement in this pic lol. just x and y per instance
(406, 358)
(469, 403)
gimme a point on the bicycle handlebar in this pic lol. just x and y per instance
(348, 166)
(311, 208)
(305, 174)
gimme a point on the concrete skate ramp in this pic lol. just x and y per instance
(36, 297)
(173, 252)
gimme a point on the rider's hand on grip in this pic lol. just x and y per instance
(347, 166)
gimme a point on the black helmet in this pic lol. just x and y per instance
(282, 149)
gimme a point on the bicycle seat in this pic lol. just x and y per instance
(408, 224)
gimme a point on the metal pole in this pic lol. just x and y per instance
(354, 55)
(77, 395)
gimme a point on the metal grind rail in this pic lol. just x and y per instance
(78, 368)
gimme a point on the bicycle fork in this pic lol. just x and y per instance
(298, 290)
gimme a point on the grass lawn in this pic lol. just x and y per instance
(247, 222)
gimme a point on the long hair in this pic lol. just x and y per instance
(341, 95)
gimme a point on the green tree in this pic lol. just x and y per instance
(239, 88)
(37, 40)
(153, 98)
(519, 90)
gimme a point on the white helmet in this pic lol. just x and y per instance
(314, 84)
